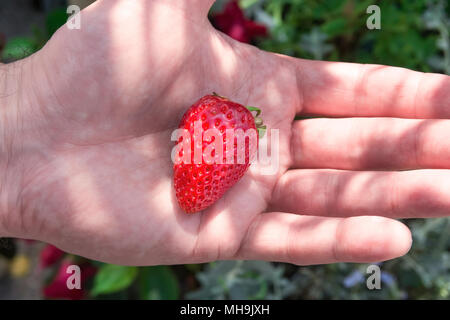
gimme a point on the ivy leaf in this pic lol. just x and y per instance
(113, 278)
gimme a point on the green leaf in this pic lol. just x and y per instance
(335, 27)
(245, 4)
(194, 268)
(112, 278)
(158, 283)
(18, 48)
(56, 19)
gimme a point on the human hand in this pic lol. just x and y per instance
(93, 168)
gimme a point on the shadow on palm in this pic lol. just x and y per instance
(108, 174)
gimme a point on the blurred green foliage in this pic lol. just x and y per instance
(158, 282)
(18, 48)
(414, 34)
(412, 31)
(113, 278)
(242, 280)
(21, 47)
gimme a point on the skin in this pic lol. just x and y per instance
(85, 154)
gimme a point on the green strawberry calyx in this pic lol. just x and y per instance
(260, 126)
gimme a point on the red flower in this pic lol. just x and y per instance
(50, 255)
(233, 22)
(58, 289)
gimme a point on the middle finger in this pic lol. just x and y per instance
(371, 144)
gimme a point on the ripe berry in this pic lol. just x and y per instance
(199, 185)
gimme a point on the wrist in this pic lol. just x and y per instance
(11, 163)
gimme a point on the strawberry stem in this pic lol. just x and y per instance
(218, 95)
(258, 121)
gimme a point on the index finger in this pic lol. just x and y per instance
(364, 90)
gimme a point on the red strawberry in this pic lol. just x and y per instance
(199, 185)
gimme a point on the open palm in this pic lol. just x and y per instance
(110, 94)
